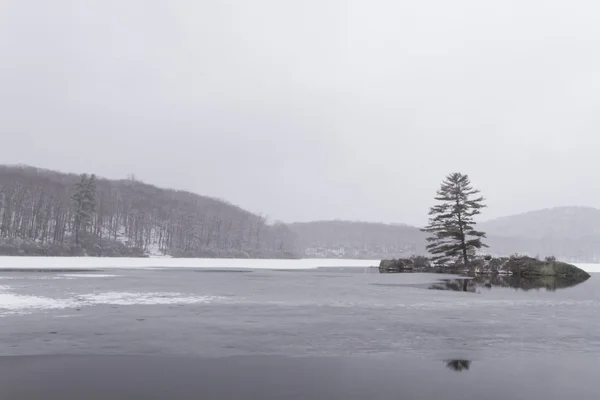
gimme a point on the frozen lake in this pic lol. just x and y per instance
(264, 314)
(321, 311)
(159, 262)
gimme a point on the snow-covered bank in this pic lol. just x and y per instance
(107, 263)
(588, 267)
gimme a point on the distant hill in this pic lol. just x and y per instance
(569, 233)
(567, 222)
(347, 239)
(39, 215)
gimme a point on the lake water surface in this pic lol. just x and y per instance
(326, 333)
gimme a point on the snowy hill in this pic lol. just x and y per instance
(39, 216)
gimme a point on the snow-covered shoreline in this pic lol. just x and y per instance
(587, 267)
(66, 263)
(114, 263)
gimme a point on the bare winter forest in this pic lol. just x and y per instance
(45, 212)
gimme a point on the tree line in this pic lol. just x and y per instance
(43, 211)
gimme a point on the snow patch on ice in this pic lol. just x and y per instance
(588, 267)
(16, 304)
(127, 263)
(36, 277)
(145, 298)
(89, 275)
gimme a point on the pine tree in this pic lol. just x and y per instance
(84, 204)
(451, 224)
(77, 199)
(89, 202)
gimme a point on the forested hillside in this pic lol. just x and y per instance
(347, 239)
(45, 212)
(568, 233)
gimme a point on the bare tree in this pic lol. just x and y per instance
(48, 208)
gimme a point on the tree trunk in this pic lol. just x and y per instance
(463, 244)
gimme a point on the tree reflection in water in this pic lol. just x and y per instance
(458, 365)
(550, 283)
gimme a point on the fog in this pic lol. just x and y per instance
(310, 109)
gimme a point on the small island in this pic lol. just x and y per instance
(521, 266)
(519, 272)
(456, 246)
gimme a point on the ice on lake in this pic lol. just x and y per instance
(109, 263)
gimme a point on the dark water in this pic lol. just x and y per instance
(306, 334)
(273, 377)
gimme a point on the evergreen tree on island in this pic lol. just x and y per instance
(451, 222)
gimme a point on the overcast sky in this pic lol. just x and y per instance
(311, 109)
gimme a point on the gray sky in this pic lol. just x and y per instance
(312, 109)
